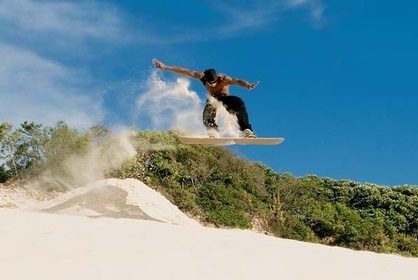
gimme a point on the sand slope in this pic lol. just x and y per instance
(122, 229)
(45, 246)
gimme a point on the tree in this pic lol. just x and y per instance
(33, 139)
(9, 147)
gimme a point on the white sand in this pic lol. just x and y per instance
(60, 246)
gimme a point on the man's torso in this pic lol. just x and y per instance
(221, 88)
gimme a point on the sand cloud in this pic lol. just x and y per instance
(93, 165)
(166, 105)
(173, 105)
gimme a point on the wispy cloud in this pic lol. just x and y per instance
(256, 14)
(247, 16)
(67, 20)
(36, 89)
(35, 84)
(316, 9)
(236, 18)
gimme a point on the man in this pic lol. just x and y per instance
(217, 85)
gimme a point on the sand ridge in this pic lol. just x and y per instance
(128, 198)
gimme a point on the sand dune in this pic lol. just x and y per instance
(116, 198)
(121, 229)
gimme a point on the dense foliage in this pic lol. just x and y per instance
(219, 188)
(222, 189)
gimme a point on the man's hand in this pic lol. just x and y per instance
(252, 85)
(158, 64)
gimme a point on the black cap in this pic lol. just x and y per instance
(210, 75)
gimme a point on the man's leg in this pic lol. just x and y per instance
(235, 105)
(209, 115)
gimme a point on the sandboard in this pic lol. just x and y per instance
(230, 141)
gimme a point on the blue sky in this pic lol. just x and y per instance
(337, 78)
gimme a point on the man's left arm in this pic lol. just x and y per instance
(242, 83)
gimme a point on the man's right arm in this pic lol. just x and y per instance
(176, 69)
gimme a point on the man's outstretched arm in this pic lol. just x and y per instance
(179, 70)
(242, 83)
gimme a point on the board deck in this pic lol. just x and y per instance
(230, 141)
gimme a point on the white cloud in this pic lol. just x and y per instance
(34, 85)
(74, 25)
(71, 20)
(36, 89)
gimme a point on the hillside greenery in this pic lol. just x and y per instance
(219, 188)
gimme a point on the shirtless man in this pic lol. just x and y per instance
(217, 86)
